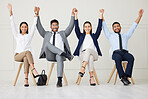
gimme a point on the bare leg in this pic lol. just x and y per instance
(91, 77)
(33, 69)
(83, 67)
(26, 79)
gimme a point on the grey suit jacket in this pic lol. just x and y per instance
(46, 43)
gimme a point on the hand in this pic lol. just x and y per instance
(9, 6)
(73, 10)
(76, 11)
(141, 12)
(101, 11)
(35, 9)
(38, 9)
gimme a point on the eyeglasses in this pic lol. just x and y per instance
(54, 25)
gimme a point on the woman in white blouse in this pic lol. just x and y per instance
(88, 47)
(23, 52)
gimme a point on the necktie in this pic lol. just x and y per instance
(120, 41)
(54, 38)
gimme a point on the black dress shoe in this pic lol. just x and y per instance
(125, 81)
(59, 83)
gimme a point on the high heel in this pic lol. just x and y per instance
(26, 85)
(82, 74)
(92, 84)
(33, 74)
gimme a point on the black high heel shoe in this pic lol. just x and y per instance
(82, 74)
(33, 74)
(26, 85)
(92, 84)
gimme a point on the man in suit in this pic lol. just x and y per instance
(118, 43)
(55, 45)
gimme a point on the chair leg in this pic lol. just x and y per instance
(116, 77)
(79, 80)
(111, 74)
(52, 65)
(33, 77)
(18, 74)
(132, 80)
(66, 83)
(95, 74)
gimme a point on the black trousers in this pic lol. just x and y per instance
(119, 56)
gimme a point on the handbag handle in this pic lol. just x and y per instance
(43, 71)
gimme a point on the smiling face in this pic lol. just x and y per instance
(87, 28)
(116, 28)
(54, 26)
(24, 28)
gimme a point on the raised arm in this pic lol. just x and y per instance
(105, 29)
(14, 31)
(133, 27)
(77, 29)
(32, 30)
(99, 28)
(39, 25)
(71, 25)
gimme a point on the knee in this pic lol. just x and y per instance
(87, 50)
(28, 52)
(25, 59)
(117, 58)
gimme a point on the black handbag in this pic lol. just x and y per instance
(42, 79)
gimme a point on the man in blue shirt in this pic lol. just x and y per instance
(119, 49)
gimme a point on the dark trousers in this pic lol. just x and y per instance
(120, 56)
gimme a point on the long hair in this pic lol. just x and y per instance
(84, 25)
(21, 25)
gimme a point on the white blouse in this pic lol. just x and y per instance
(23, 42)
(88, 43)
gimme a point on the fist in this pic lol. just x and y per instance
(35, 9)
(9, 6)
(141, 12)
(101, 11)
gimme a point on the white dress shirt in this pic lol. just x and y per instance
(23, 42)
(114, 37)
(88, 43)
(58, 41)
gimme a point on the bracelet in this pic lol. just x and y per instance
(36, 13)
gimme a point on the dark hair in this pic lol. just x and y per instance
(115, 23)
(54, 21)
(90, 25)
(21, 25)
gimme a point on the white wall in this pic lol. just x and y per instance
(125, 11)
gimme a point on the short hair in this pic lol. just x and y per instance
(54, 21)
(21, 25)
(115, 23)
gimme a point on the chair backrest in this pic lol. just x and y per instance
(110, 53)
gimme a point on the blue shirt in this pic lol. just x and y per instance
(114, 37)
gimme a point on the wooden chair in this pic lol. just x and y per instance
(124, 64)
(20, 66)
(49, 74)
(95, 75)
